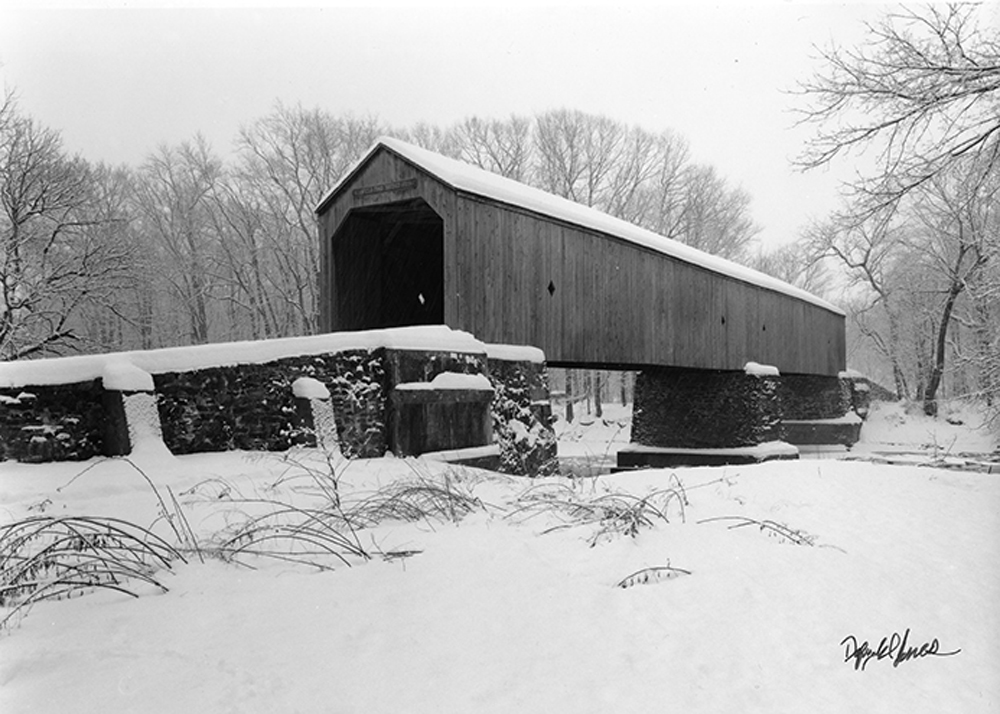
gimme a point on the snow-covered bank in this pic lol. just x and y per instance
(961, 428)
(494, 614)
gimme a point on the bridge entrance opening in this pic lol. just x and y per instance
(389, 267)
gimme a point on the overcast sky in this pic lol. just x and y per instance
(119, 82)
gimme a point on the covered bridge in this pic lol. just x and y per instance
(412, 237)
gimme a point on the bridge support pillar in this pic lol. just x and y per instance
(706, 417)
(821, 411)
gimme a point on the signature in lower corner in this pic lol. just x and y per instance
(894, 647)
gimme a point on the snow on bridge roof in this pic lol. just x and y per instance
(474, 180)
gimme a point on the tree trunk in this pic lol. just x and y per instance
(569, 396)
(985, 353)
(934, 379)
(902, 391)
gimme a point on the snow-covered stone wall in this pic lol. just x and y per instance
(408, 391)
(522, 415)
(253, 407)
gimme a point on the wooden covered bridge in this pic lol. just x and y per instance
(412, 237)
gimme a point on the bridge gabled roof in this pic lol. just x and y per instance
(469, 179)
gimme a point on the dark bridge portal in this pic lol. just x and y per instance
(389, 263)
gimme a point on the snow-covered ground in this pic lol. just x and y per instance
(755, 587)
(892, 428)
(589, 445)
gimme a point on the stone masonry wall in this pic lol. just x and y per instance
(875, 391)
(63, 422)
(522, 418)
(704, 409)
(814, 396)
(252, 407)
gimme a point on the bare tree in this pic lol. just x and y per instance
(578, 154)
(916, 262)
(958, 210)
(796, 264)
(173, 203)
(433, 138)
(640, 158)
(247, 270)
(923, 92)
(643, 178)
(660, 200)
(288, 160)
(55, 259)
(500, 146)
(980, 317)
(921, 96)
(122, 319)
(714, 217)
(867, 251)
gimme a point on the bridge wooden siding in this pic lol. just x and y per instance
(516, 273)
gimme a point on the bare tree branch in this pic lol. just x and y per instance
(920, 94)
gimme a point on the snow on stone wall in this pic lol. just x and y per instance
(143, 422)
(84, 368)
(325, 425)
(231, 397)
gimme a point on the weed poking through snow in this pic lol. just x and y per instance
(413, 500)
(648, 576)
(614, 513)
(783, 533)
(46, 558)
(306, 536)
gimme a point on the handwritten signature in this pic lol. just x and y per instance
(894, 647)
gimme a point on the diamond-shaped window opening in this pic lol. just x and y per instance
(551, 288)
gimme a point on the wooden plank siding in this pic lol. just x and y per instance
(615, 303)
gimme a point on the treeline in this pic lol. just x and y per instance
(189, 248)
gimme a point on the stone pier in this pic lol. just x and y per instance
(706, 417)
